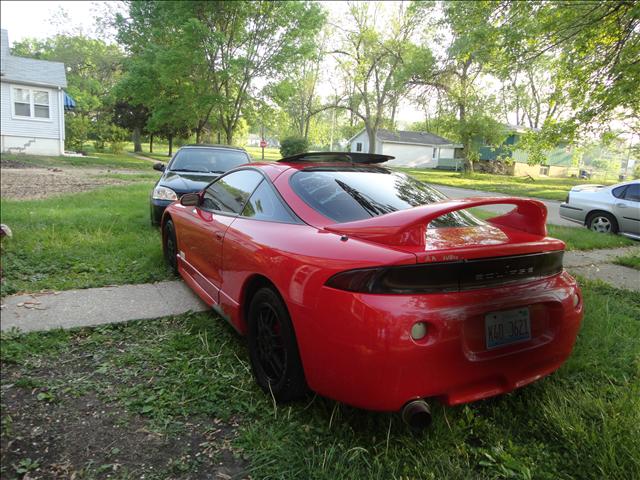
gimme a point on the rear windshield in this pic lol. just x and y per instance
(357, 194)
(208, 160)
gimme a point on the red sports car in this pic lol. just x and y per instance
(372, 288)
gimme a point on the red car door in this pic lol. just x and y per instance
(221, 203)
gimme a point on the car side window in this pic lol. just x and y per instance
(633, 192)
(619, 192)
(230, 193)
(265, 204)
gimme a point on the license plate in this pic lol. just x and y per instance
(509, 326)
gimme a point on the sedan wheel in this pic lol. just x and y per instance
(603, 223)
(273, 349)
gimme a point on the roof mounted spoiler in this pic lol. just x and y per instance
(409, 227)
(345, 157)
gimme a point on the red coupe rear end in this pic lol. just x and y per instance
(392, 292)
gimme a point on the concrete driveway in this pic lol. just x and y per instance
(553, 207)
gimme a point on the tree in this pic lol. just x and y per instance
(595, 48)
(215, 50)
(468, 57)
(376, 66)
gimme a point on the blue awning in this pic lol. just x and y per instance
(69, 103)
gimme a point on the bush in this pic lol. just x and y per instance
(293, 145)
(116, 146)
(76, 131)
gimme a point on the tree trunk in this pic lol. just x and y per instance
(466, 140)
(137, 145)
(371, 133)
(170, 145)
(151, 143)
(228, 131)
(198, 130)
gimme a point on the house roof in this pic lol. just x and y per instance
(418, 138)
(413, 138)
(29, 70)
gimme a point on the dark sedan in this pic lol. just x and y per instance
(191, 169)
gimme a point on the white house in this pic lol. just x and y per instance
(32, 104)
(410, 149)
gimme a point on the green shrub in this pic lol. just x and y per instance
(293, 145)
(116, 146)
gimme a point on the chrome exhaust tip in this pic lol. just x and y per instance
(417, 415)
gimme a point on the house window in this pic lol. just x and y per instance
(544, 170)
(41, 104)
(31, 103)
(22, 102)
(434, 152)
(358, 147)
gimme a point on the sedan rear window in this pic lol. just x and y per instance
(208, 160)
(357, 194)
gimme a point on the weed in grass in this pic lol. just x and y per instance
(631, 260)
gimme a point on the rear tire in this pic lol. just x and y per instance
(273, 349)
(602, 222)
(170, 246)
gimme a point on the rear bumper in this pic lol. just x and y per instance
(572, 213)
(357, 348)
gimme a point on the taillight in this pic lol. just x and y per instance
(449, 276)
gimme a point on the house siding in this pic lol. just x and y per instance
(419, 156)
(30, 128)
(38, 137)
(363, 138)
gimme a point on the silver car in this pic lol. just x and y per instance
(613, 209)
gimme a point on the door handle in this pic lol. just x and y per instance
(219, 235)
(621, 205)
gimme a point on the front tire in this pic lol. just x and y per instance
(273, 349)
(602, 222)
(170, 246)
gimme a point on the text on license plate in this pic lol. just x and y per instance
(509, 326)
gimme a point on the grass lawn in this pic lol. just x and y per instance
(270, 154)
(550, 188)
(632, 260)
(83, 240)
(101, 160)
(183, 377)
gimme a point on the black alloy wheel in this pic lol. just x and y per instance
(273, 349)
(170, 246)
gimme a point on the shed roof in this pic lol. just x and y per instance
(29, 70)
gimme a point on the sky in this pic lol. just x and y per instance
(42, 19)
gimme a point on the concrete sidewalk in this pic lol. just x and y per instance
(553, 207)
(97, 306)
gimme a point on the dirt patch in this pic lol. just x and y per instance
(35, 183)
(70, 433)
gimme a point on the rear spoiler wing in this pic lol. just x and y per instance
(409, 227)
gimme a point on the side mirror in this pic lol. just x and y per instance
(190, 199)
(159, 166)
